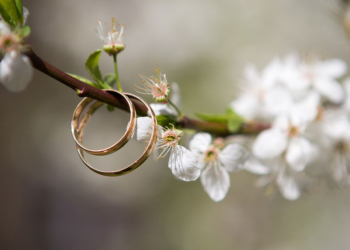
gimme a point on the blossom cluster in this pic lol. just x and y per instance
(308, 109)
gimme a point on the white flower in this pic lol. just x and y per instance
(262, 96)
(216, 163)
(315, 75)
(111, 35)
(158, 87)
(15, 68)
(182, 162)
(286, 136)
(15, 71)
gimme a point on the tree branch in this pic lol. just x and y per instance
(86, 90)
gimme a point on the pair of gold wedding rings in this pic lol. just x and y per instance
(79, 122)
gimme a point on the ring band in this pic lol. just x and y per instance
(140, 160)
(77, 132)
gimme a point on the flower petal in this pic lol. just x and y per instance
(162, 109)
(306, 110)
(333, 68)
(143, 131)
(270, 74)
(175, 94)
(330, 88)
(281, 123)
(198, 145)
(251, 74)
(215, 182)
(254, 166)
(300, 152)
(289, 187)
(4, 28)
(184, 164)
(25, 14)
(270, 143)
(15, 71)
(337, 126)
(232, 157)
(246, 106)
(278, 101)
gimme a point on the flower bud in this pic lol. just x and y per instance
(113, 49)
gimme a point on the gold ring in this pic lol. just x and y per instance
(139, 161)
(77, 132)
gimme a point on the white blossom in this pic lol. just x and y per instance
(182, 162)
(15, 71)
(262, 96)
(112, 35)
(15, 68)
(286, 136)
(316, 75)
(158, 87)
(215, 163)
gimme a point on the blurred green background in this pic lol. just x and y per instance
(50, 200)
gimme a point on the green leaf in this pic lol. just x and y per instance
(234, 121)
(19, 8)
(84, 80)
(212, 117)
(25, 31)
(165, 120)
(234, 125)
(109, 79)
(10, 13)
(91, 66)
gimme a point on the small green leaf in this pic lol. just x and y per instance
(165, 120)
(234, 125)
(19, 8)
(212, 117)
(84, 80)
(91, 66)
(234, 121)
(6, 17)
(9, 12)
(25, 31)
(109, 79)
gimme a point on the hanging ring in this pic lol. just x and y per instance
(78, 133)
(148, 150)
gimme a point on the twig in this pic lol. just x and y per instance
(85, 90)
